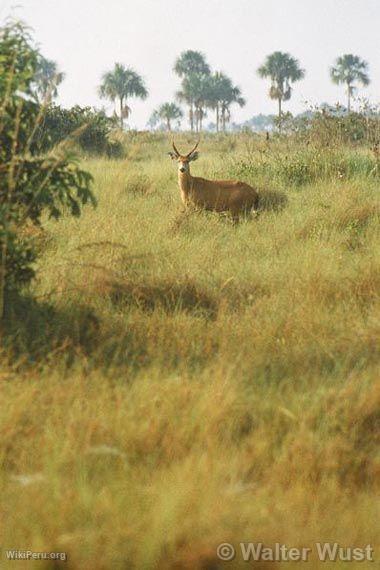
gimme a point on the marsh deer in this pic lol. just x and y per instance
(229, 196)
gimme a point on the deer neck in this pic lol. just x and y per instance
(185, 184)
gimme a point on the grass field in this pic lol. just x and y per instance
(173, 381)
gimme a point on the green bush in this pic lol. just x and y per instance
(91, 129)
(30, 183)
(299, 167)
(330, 129)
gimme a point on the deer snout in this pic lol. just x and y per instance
(182, 169)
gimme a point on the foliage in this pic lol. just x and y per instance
(201, 90)
(283, 70)
(306, 166)
(191, 62)
(154, 120)
(192, 67)
(170, 351)
(30, 183)
(91, 129)
(195, 89)
(166, 113)
(47, 79)
(328, 129)
(220, 95)
(331, 126)
(350, 69)
(120, 84)
(261, 122)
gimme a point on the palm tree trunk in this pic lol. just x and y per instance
(279, 114)
(168, 125)
(348, 98)
(191, 117)
(121, 113)
(217, 117)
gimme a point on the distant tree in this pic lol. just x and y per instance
(168, 112)
(190, 62)
(119, 85)
(186, 98)
(186, 95)
(194, 91)
(350, 69)
(154, 120)
(217, 85)
(231, 97)
(192, 68)
(47, 79)
(200, 85)
(261, 122)
(282, 69)
(221, 94)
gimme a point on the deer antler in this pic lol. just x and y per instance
(175, 149)
(191, 152)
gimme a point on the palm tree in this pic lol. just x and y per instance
(168, 112)
(349, 69)
(201, 87)
(185, 95)
(282, 69)
(233, 95)
(191, 66)
(120, 84)
(194, 92)
(154, 119)
(221, 95)
(47, 79)
(217, 84)
(191, 62)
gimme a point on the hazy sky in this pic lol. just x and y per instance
(86, 37)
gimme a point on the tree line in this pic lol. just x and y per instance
(203, 89)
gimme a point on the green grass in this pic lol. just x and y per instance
(177, 382)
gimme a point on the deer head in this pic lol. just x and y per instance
(184, 160)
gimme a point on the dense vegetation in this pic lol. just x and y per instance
(171, 381)
(31, 184)
(205, 91)
(92, 131)
(180, 382)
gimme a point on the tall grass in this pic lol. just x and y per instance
(177, 382)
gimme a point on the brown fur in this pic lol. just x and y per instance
(229, 196)
(218, 195)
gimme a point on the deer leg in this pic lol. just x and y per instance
(235, 217)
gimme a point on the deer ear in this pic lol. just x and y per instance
(172, 155)
(194, 155)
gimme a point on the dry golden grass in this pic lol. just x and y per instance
(179, 382)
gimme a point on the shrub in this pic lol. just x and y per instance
(92, 130)
(304, 166)
(329, 127)
(30, 183)
(138, 184)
